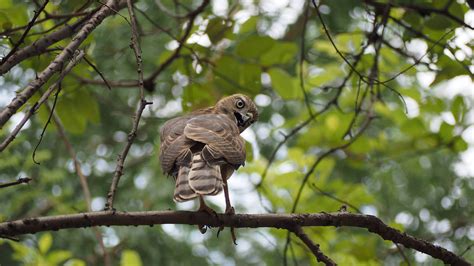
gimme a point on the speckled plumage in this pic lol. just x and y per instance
(202, 149)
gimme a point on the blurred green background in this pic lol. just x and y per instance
(412, 164)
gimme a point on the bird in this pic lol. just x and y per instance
(202, 149)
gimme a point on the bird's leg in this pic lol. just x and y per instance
(204, 208)
(229, 210)
(228, 207)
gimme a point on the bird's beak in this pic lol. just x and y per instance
(246, 117)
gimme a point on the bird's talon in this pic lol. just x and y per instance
(230, 211)
(221, 228)
(202, 229)
(234, 239)
(208, 210)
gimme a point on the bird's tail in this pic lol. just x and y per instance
(205, 179)
(182, 190)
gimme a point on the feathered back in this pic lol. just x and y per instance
(205, 146)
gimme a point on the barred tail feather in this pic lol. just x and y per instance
(203, 178)
(183, 191)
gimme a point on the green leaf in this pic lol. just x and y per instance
(75, 109)
(254, 46)
(449, 68)
(20, 250)
(249, 26)
(458, 10)
(196, 96)
(414, 127)
(458, 108)
(217, 29)
(73, 121)
(280, 53)
(250, 77)
(129, 258)
(89, 107)
(460, 145)
(231, 75)
(249, 151)
(75, 262)
(329, 73)
(284, 84)
(6, 4)
(45, 242)
(5, 22)
(58, 256)
(17, 14)
(438, 22)
(446, 131)
(412, 18)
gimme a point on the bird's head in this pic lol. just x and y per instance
(239, 108)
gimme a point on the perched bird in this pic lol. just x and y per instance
(202, 149)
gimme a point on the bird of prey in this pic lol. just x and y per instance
(202, 149)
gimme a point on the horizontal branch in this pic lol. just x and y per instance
(283, 221)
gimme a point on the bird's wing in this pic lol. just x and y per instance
(220, 135)
(174, 145)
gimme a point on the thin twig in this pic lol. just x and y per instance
(142, 104)
(58, 90)
(25, 33)
(400, 250)
(320, 256)
(31, 111)
(191, 17)
(96, 69)
(302, 59)
(57, 64)
(466, 250)
(21, 180)
(313, 167)
(329, 195)
(15, 239)
(38, 21)
(426, 9)
(82, 179)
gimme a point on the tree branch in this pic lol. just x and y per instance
(191, 17)
(25, 33)
(22, 180)
(421, 10)
(143, 103)
(40, 46)
(57, 64)
(280, 221)
(320, 256)
(31, 111)
(82, 179)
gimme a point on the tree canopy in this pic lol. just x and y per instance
(366, 125)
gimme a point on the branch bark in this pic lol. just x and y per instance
(320, 256)
(280, 221)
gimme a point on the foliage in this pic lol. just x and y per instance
(410, 81)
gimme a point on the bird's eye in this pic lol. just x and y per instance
(240, 104)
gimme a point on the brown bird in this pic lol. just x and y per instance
(202, 149)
